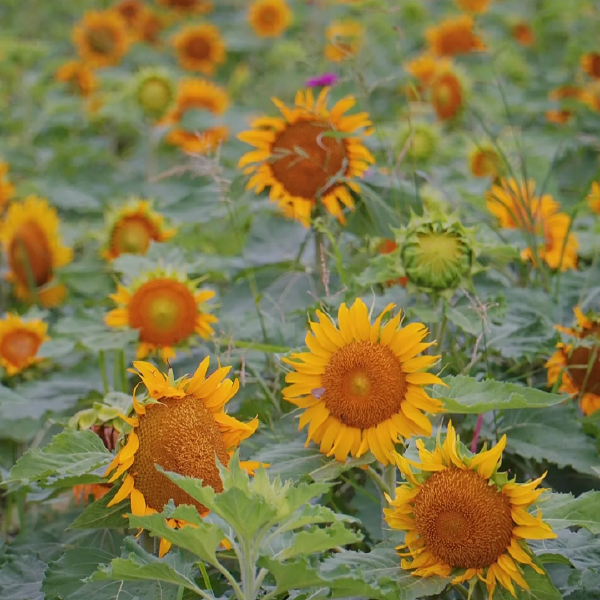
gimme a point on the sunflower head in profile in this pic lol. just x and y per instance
(344, 39)
(361, 384)
(593, 198)
(576, 365)
(448, 91)
(79, 78)
(269, 18)
(200, 48)
(7, 189)
(189, 7)
(197, 95)
(301, 154)
(166, 308)
(454, 36)
(590, 63)
(101, 38)
(30, 239)
(484, 161)
(20, 341)
(190, 411)
(154, 91)
(465, 519)
(131, 228)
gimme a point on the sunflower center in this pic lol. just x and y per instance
(269, 15)
(198, 48)
(19, 346)
(306, 160)
(155, 95)
(462, 519)
(364, 384)
(595, 65)
(132, 235)
(101, 40)
(584, 369)
(164, 310)
(182, 436)
(29, 255)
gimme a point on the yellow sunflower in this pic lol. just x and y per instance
(101, 38)
(269, 18)
(344, 39)
(361, 384)
(474, 6)
(78, 76)
(19, 342)
(200, 48)
(593, 198)
(151, 27)
(198, 94)
(7, 189)
(132, 227)
(425, 66)
(454, 36)
(30, 239)
(447, 94)
(484, 161)
(133, 13)
(166, 308)
(190, 412)
(590, 63)
(201, 7)
(578, 365)
(463, 518)
(300, 164)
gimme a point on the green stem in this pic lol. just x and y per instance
(248, 570)
(379, 481)
(180, 590)
(462, 590)
(123, 366)
(102, 363)
(389, 476)
(232, 582)
(205, 576)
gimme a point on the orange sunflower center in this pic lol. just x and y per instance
(584, 369)
(19, 346)
(595, 65)
(29, 255)
(182, 436)
(364, 384)
(164, 310)
(269, 15)
(199, 48)
(101, 40)
(447, 96)
(132, 235)
(462, 519)
(305, 160)
(130, 10)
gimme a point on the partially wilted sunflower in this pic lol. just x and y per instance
(132, 227)
(593, 198)
(590, 63)
(269, 18)
(183, 429)
(166, 308)
(454, 36)
(578, 364)
(20, 341)
(30, 239)
(485, 161)
(7, 189)
(361, 384)
(101, 38)
(447, 94)
(200, 48)
(78, 76)
(465, 519)
(201, 7)
(297, 159)
(344, 39)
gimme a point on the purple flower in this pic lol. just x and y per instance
(322, 80)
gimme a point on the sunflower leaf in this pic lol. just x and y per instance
(99, 515)
(540, 587)
(564, 510)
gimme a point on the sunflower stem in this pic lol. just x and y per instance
(205, 576)
(379, 482)
(180, 590)
(462, 590)
(123, 367)
(476, 433)
(102, 363)
(389, 476)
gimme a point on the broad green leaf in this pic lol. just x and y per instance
(21, 578)
(312, 515)
(293, 575)
(318, 540)
(99, 515)
(467, 395)
(564, 510)
(581, 548)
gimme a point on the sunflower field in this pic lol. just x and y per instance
(299, 299)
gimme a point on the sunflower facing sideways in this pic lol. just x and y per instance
(361, 384)
(166, 308)
(296, 159)
(20, 341)
(465, 519)
(199, 48)
(30, 239)
(183, 428)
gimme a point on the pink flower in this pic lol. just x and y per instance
(322, 80)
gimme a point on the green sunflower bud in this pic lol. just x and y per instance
(422, 139)
(154, 91)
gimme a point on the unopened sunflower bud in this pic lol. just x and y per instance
(154, 92)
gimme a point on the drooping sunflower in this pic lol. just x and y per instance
(578, 364)
(454, 36)
(7, 189)
(344, 39)
(593, 198)
(590, 63)
(465, 519)
(101, 38)
(201, 7)
(20, 341)
(30, 239)
(447, 94)
(361, 384)
(198, 94)
(191, 413)
(200, 48)
(474, 6)
(131, 228)
(269, 18)
(522, 32)
(299, 162)
(78, 76)
(166, 308)
(485, 161)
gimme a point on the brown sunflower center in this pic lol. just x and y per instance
(130, 10)
(29, 255)
(584, 369)
(101, 40)
(269, 15)
(595, 65)
(132, 235)
(364, 384)
(183, 3)
(305, 160)
(19, 346)
(182, 436)
(164, 310)
(199, 48)
(155, 95)
(462, 519)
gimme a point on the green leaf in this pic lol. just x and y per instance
(540, 587)
(318, 540)
(581, 548)
(21, 578)
(99, 515)
(466, 395)
(564, 510)
(293, 575)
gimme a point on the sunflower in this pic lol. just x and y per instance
(19, 342)
(132, 227)
(484, 161)
(300, 163)
(101, 38)
(191, 412)
(78, 76)
(523, 33)
(269, 18)
(559, 117)
(590, 63)
(198, 94)
(154, 91)
(578, 365)
(200, 48)
(425, 66)
(464, 519)
(593, 198)
(344, 39)
(474, 6)
(361, 384)
(201, 7)
(7, 189)
(454, 36)
(150, 28)
(30, 239)
(387, 247)
(132, 12)
(447, 94)
(166, 308)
